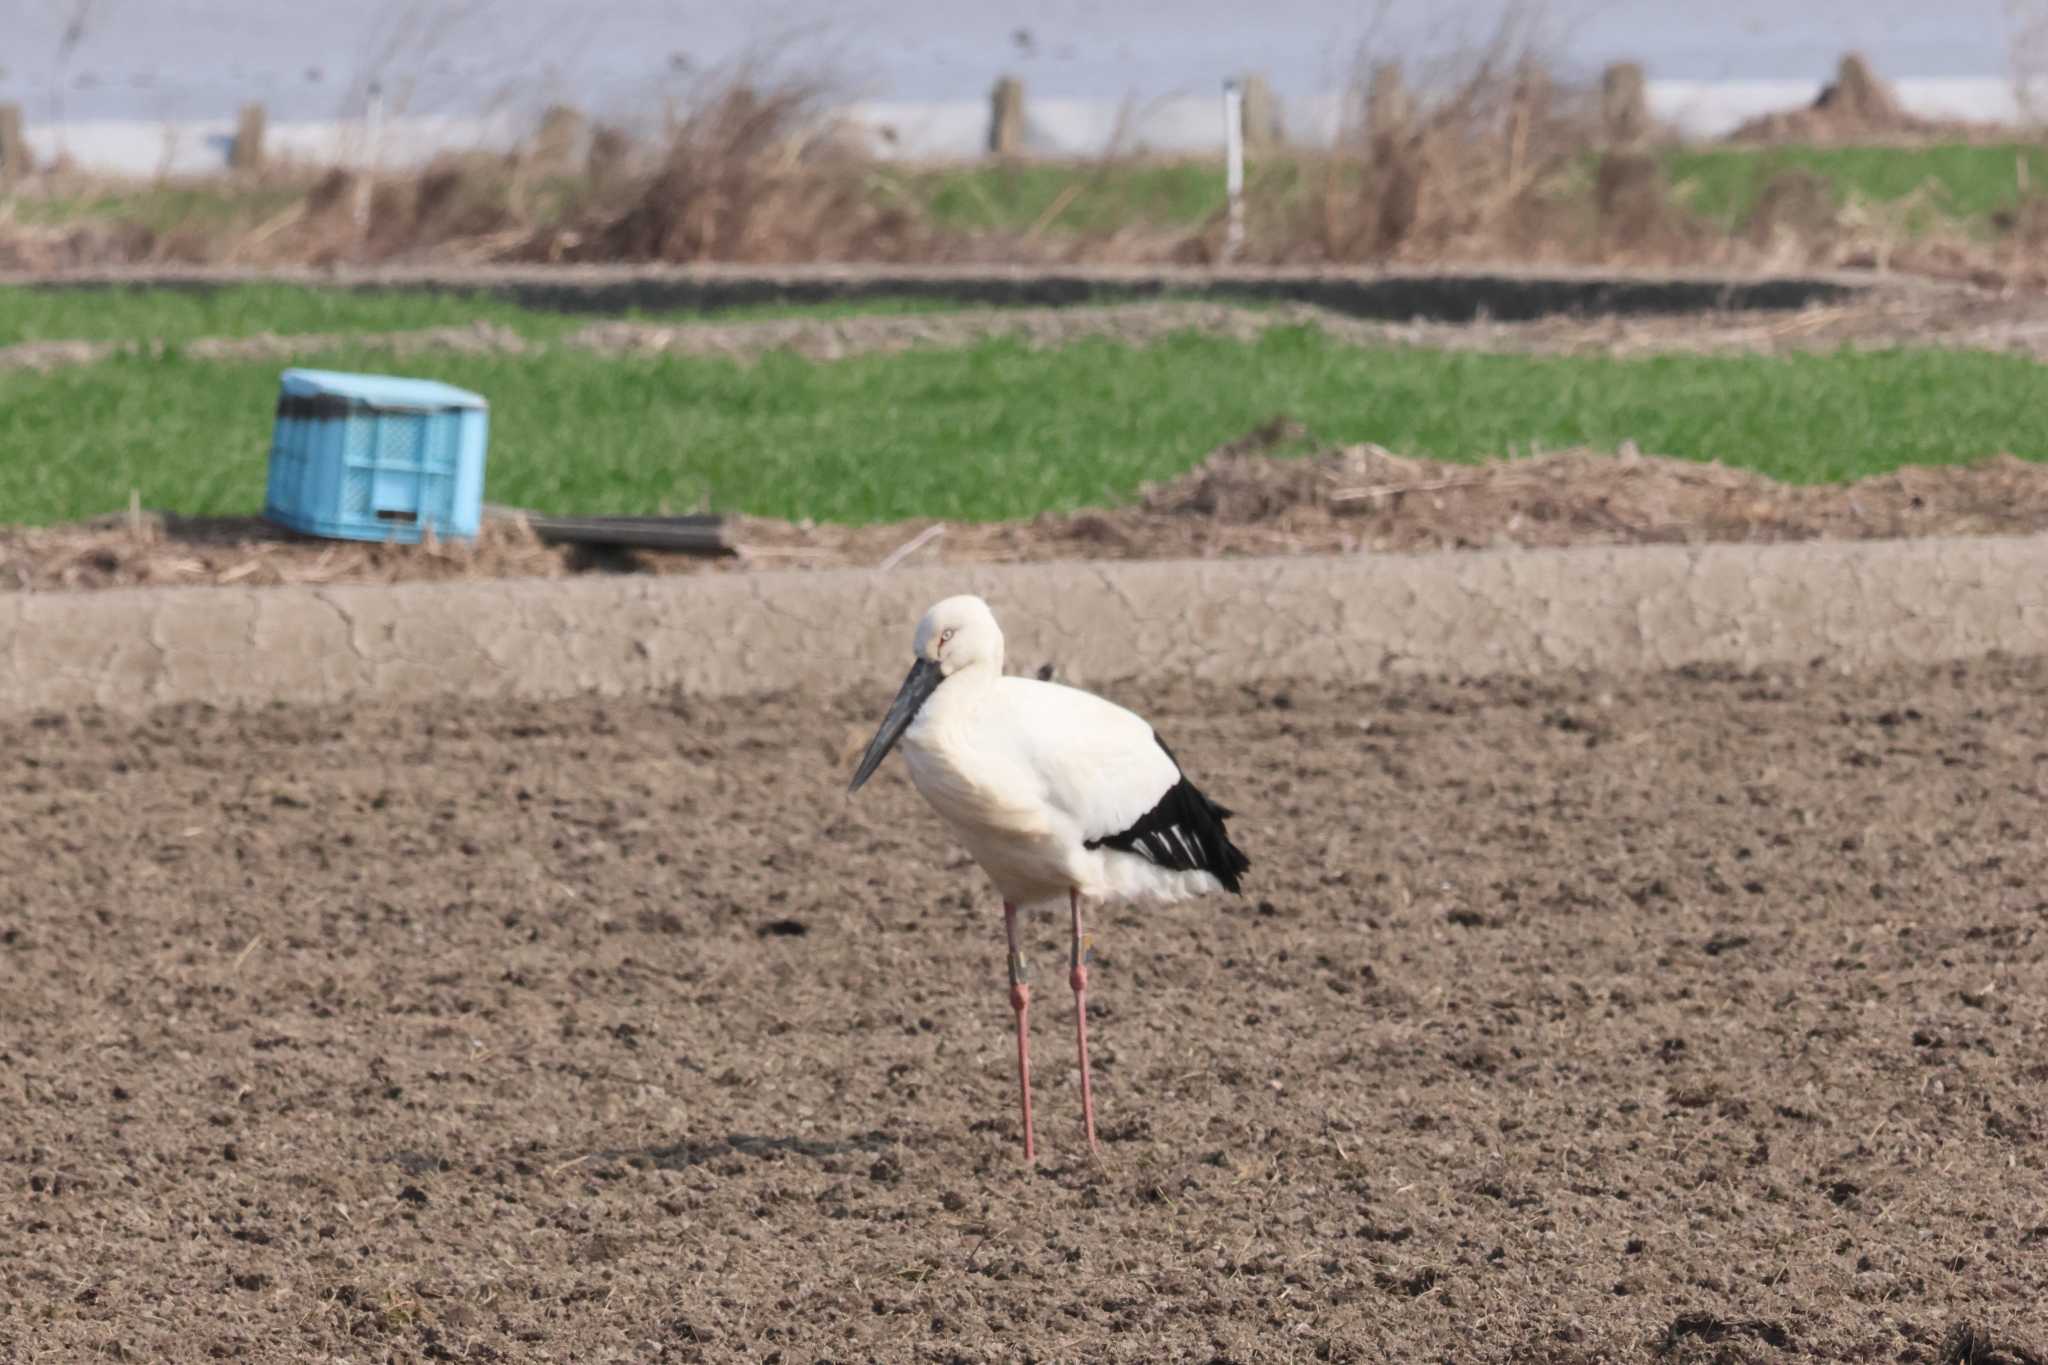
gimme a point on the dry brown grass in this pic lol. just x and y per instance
(755, 170)
(1500, 161)
(1489, 162)
(457, 207)
(755, 173)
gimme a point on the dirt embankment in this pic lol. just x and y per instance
(1239, 502)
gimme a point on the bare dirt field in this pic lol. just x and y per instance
(1690, 1017)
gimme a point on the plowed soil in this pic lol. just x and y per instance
(1693, 1017)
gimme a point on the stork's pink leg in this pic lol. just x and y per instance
(1078, 977)
(1020, 1001)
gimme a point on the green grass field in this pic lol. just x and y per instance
(1967, 183)
(177, 315)
(160, 207)
(999, 431)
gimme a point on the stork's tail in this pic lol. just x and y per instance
(1184, 832)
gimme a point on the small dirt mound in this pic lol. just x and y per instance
(1383, 501)
(1854, 107)
(1246, 501)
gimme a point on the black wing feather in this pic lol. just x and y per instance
(1183, 832)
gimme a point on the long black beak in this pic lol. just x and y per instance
(924, 680)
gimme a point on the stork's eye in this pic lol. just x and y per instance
(946, 636)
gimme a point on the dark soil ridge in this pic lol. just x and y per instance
(1505, 291)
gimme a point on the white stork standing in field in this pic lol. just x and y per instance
(1054, 791)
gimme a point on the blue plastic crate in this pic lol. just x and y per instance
(376, 457)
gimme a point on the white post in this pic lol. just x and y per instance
(374, 135)
(1233, 171)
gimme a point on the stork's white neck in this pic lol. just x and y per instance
(978, 674)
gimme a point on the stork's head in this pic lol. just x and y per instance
(959, 633)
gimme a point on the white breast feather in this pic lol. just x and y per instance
(1099, 766)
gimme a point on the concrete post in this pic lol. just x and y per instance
(1233, 168)
(606, 161)
(247, 152)
(1527, 115)
(1388, 107)
(1264, 129)
(1624, 105)
(15, 160)
(560, 139)
(1006, 117)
